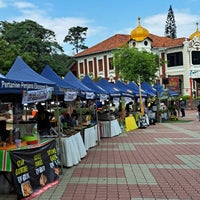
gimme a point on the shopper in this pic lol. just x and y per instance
(182, 107)
(43, 118)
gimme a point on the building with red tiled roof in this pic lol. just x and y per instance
(180, 72)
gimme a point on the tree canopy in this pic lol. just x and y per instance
(131, 64)
(35, 44)
(170, 27)
(76, 38)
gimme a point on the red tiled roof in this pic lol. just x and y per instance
(161, 41)
(118, 40)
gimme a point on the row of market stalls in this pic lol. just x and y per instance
(106, 101)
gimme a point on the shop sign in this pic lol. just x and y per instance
(34, 169)
(33, 96)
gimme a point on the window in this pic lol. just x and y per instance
(100, 64)
(81, 68)
(195, 57)
(174, 59)
(111, 67)
(90, 66)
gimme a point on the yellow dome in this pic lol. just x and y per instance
(196, 33)
(139, 34)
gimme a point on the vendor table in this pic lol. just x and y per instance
(109, 128)
(73, 149)
(90, 137)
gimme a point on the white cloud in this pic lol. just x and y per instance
(2, 4)
(185, 24)
(23, 5)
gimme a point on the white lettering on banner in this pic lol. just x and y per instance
(103, 97)
(70, 96)
(5, 84)
(89, 95)
(21, 85)
(36, 95)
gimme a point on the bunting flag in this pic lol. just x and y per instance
(34, 96)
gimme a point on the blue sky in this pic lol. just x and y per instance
(104, 18)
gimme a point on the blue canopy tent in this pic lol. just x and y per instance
(148, 88)
(73, 80)
(125, 91)
(134, 87)
(29, 79)
(60, 83)
(21, 77)
(110, 88)
(93, 86)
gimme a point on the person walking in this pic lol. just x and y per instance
(198, 110)
(182, 107)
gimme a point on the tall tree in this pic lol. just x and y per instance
(131, 64)
(170, 26)
(35, 44)
(76, 38)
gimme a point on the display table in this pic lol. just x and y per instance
(90, 137)
(73, 149)
(109, 128)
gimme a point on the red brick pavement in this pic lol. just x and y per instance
(160, 162)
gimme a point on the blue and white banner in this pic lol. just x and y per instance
(70, 96)
(34, 96)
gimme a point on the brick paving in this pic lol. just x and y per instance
(156, 163)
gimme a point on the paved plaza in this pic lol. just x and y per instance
(156, 163)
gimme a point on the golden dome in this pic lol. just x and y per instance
(139, 34)
(196, 33)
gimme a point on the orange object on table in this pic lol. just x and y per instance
(12, 146)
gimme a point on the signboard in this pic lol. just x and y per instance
(34, 169)
(173, 84)
(36, 95)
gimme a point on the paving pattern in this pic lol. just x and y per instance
(157, 163)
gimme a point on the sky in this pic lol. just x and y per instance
(104, 18)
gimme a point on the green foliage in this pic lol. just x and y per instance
(170, 27)
(185, 97)
(76, 38)
(35, 44)
(130, 64)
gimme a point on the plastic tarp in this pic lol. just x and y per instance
(109, 87)
(60, 83)
(125, 91)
